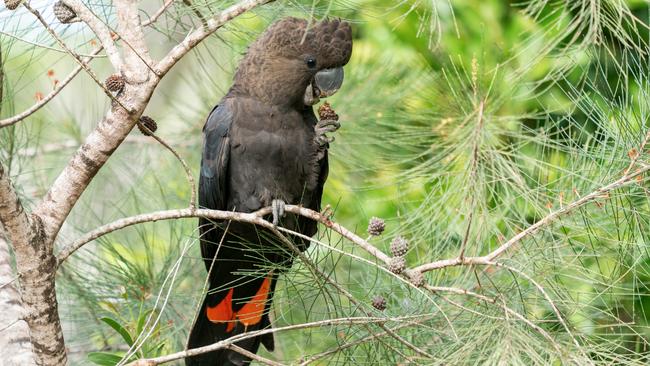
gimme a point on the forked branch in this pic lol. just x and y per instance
(100, 29)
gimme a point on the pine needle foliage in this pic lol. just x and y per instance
(464, 123)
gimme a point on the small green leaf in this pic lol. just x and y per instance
(104, 358)
(120, 329)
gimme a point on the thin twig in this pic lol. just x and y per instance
(460, 291)
(40, 45)
(100, 29)
(319, 273)
(548, 299)
(11, 324)
(252, 355)
(31, 110)
(188, 171)
(318, 356)
(14, 279)
(252, 334)
(547, 220)
(81, 63)
(214, 23)
(158, 13)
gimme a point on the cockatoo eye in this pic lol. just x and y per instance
(311, 62)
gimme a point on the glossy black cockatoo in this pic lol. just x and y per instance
(263, 146)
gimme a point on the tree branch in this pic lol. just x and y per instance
(138, 63)
(188, 171)
(252, 355)
(199, 35)
(625, 180)
(256, 218)
(318, 356)
(76, 57)
(100, 29)
(41, 45)
(12, 214)
(234, 339)
(507, 309)
(158, 13)
(34, 108)
(252, 218)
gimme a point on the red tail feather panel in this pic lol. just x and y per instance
(222, 312)
(249, 314)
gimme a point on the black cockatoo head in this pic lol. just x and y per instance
(295, 62)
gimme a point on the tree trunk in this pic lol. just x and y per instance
(14, 333)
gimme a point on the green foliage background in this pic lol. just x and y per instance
(489, 112)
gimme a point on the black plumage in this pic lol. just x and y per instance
(261, 148)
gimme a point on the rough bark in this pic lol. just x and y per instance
(35, 263)
(14, 333)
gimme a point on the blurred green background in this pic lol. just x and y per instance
(489, 112)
